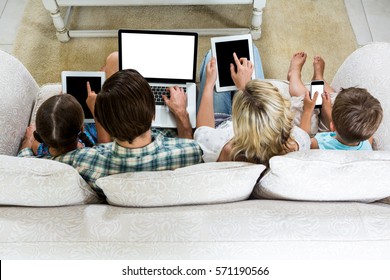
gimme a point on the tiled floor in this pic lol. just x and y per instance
(370, 20)
(11, 12)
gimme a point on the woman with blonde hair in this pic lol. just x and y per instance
(261, 124)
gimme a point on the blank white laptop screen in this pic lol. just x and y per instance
(159, 57)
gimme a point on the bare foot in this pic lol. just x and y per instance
(318, 74)
(296, 64)
(296, 86)
(319, 68)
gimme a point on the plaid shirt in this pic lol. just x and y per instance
(163, 153)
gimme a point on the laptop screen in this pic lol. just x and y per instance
(159, 56)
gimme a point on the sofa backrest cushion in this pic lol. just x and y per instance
(18, 91)
(45, 92)
(327, 175)
(369, 67)
(41, 182)
(204, 183)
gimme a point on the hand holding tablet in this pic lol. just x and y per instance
(241, 71)
(75, 83)
(222, 49)
(91, 99)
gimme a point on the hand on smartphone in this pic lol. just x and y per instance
(317, 86)
(309, 102)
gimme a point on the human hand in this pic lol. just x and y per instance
(308, 108)
(211, 72)
(91, 99)
(28, 139)
(177, 103)
(326, 110)
(244, 71)
(326, 103)
(309, 103)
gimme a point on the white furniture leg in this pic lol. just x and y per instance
(257, 18)
(64, 34)
(61, 29)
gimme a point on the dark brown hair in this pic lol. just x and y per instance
(59, 122)
(356, 114)
(125, 106)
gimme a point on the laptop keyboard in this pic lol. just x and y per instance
(158, 91)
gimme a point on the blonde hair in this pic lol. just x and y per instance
(262, 123)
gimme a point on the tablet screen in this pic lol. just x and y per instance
(222, 48)
(224, 54)
(77, 86)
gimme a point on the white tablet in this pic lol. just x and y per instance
(222, 49)
(75, 83)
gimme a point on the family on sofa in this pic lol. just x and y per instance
(312, 204)
(255, 126)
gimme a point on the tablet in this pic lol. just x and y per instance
(75, 83)
(222, 49)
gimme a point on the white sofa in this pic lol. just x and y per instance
(48, 212)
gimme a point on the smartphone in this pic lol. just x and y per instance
(317, 85)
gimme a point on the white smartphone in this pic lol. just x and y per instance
(317, 86)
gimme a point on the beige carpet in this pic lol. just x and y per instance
(317, 27)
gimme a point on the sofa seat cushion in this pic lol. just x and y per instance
(251, 229)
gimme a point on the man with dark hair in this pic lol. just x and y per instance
(125, 107)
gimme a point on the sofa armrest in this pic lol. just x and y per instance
(18, 91)
(369, 67)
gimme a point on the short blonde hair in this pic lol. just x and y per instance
(262, 123)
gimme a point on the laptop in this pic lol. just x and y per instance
(75, 83)
(164, 58)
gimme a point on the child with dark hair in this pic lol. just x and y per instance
(355, 117)
(59, 127)
(350, 123)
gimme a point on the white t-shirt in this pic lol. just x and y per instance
(212, 140)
